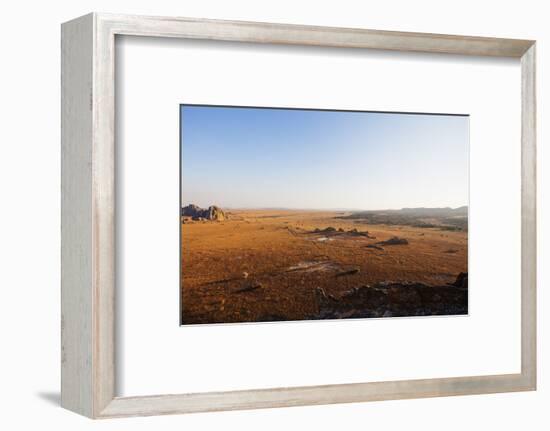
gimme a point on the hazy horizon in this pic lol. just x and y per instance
(263, 158)
(184, 204)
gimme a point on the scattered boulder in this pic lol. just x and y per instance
(328, 230)
(212, 213)
(394, 241)
(341, 232)
(355, 232)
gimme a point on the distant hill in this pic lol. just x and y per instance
(430, 212)
(443, 218)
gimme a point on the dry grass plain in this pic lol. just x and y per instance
(269, 265)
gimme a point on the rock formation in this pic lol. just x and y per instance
(396, 299)
(394, 241)
(212, 213)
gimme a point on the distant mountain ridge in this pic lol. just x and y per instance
(446, 218)
(439, 211)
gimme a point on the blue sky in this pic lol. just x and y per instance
(309, 159)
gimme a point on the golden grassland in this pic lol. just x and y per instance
(265, 265)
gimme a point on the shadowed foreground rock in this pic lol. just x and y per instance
(396, 299)
(197, 213)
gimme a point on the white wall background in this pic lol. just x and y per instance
(29, 216)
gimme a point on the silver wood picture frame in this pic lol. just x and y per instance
(88, 214)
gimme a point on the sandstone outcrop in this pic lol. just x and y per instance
(212, 213)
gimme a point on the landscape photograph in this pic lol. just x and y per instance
(309, 214)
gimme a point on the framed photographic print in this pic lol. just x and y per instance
(265, 215)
